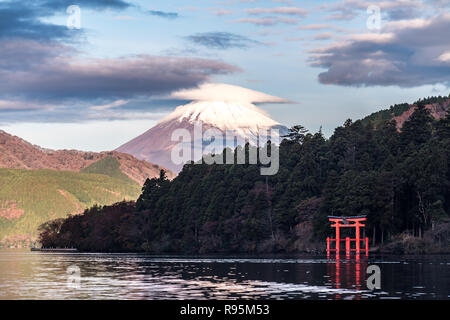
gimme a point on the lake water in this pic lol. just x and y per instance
(36, 275)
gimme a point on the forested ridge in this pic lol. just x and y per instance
(28, 198)
(400, 180)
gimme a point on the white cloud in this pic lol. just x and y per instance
(280, 10)
(315, 27)
(445, 57)
(374, 37)
(225, 92)
(114, 104)
(268, 21)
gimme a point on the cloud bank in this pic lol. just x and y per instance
(406, 53)
(44, 77)
(36, 71)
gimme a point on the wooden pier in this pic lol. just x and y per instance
(67, 250)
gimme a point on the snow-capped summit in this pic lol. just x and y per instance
(223, 115)
(225, 108)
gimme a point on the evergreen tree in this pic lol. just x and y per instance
(296, 133)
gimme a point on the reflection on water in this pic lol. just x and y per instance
(36, 275)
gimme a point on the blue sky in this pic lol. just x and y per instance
(96, 87)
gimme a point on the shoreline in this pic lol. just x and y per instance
(377, 252)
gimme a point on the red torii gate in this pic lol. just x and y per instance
(345, 222)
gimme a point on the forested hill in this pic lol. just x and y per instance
(438, 107)
(28, 198)
(38, 184)
(400, 180)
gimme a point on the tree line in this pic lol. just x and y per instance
(399, 179)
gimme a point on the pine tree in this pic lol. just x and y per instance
(417, 130)
(296, 133)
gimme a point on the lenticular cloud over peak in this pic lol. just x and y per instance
(226, 93)
(223, 108)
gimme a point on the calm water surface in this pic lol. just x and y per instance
(36, 275)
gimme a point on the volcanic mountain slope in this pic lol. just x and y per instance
(438, 107)
(20, 154)
(242, 120)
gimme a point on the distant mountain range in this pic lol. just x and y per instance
(37, 184)
(241, 120)
(16, 153)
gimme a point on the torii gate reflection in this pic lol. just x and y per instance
(351, 266)
(347, 273)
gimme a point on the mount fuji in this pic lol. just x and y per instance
(221, 108)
